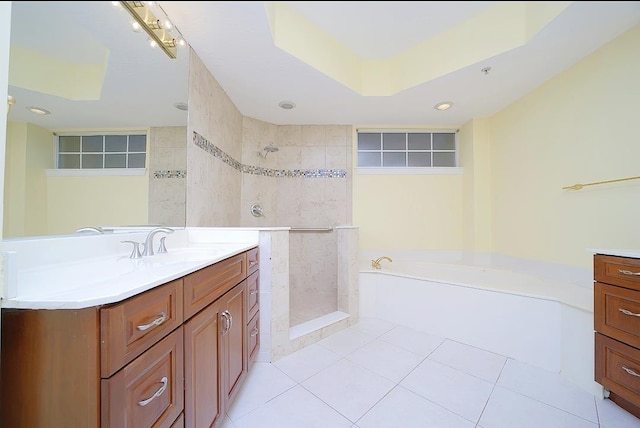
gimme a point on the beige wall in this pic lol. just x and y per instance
(407, 211)
(36, 204)
(107, 201)
(29, 151)
(579, 127)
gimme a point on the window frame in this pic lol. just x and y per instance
(406, 169)
(126, 170)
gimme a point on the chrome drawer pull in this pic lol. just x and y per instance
(157, 394)
(254, 332)
(227, 316)
(162, 318)
(252, 263)
(626, 312)
(628, 272)
(631, 372)
(252, 292)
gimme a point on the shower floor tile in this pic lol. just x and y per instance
(379, 375)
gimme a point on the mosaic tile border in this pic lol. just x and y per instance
(205, 145)
(179, 173)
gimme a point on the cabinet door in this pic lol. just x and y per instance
(201, 369)
(233, 335)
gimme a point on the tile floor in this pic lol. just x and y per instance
(377, 375)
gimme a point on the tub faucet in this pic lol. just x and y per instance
(376, 263)
(148, 243)
(90, 229)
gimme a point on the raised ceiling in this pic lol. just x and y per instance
(389, 63)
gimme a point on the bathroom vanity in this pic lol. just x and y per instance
(617, 327)
(172, 355)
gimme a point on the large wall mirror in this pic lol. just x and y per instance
(86, 65)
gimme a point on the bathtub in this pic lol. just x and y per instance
(539, 321)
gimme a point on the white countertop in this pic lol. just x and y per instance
(616, 252)
(109, 277)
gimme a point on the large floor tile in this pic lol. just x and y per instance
(415, 341)
(306, 362)
(611, 415)
(263, 383)
(459, 392)
(346, 341)
(549, 388)
(349, 388)
(403, 408)
(295, 408)
(385, 359)
(373, 326)
(468, 359)
(507, 409)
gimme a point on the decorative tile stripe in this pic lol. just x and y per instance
(179, 173)
(205, 145)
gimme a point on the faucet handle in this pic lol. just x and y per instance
(135, 252)
(162, 248)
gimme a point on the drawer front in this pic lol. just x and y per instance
(253, 260)
(618, 368)
(617, 313)
(203, 287)
(253, 338)
(149, 390)
(129, 328)
(622, 271)
(253, 288)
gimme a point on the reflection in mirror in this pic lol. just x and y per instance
(97, 79)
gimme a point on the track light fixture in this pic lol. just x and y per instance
(158, 29)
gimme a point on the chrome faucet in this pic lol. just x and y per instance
(376, 263)
(148, 243)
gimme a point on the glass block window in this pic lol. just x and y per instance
(399, 149)
(101, 151)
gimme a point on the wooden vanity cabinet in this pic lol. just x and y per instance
(617, 329)
(174, 356)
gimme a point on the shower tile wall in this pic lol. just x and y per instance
(213, 187)
(167, 175)
(301, 202)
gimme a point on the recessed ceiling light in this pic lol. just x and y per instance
(287, 105)
(38, 110)
(181, 106)
(446, 105)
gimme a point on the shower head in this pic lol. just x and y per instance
(268, 149)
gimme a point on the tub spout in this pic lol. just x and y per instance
(376, 263)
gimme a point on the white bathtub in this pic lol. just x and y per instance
(541, 322)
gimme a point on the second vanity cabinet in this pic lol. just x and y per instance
(173, 356)
(617, 328)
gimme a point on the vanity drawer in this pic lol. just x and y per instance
(253, 260)
(149, 390)
(129, 328)
(253, 289)
(617, 313)
(253, 338)
(622, 271)
(208, 284)
(618, 368)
